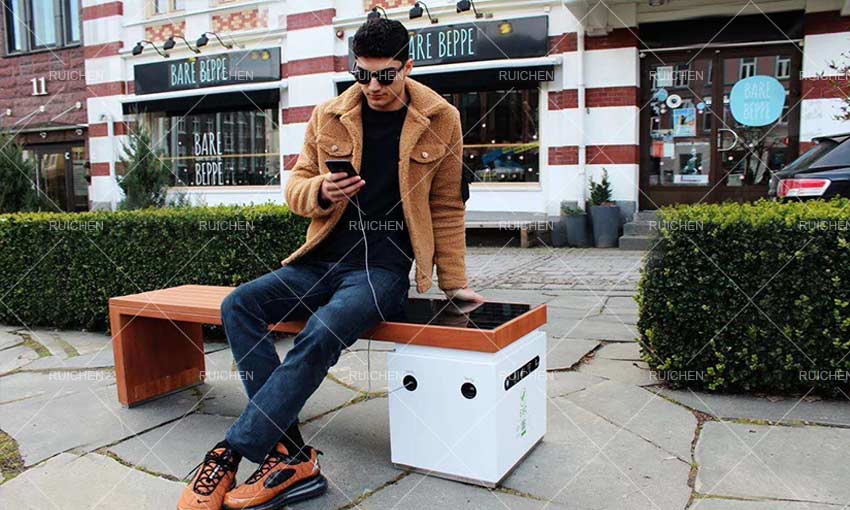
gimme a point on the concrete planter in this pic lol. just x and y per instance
(576, 227)
(606, 225)
(559, 232)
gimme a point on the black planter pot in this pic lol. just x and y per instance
(576, 226)
(606, 225)
(559, 232)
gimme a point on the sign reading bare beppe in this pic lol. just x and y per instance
(486, 40)
(247, 66)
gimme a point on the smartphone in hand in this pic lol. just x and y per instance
(341, 165)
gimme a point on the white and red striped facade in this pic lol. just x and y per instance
(589, 114)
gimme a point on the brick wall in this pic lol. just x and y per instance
(386, 4)
(64, 75)
(163, 31)
(248, 19)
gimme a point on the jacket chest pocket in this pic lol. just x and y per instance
(427, 157)
(333, 148)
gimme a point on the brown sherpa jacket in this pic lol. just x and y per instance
(430, 161)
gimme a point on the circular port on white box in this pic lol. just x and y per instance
(409, 383)
(468, 390)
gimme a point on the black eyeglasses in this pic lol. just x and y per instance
(384, 76)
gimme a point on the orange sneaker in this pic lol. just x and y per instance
(216, 475)
(281, 479)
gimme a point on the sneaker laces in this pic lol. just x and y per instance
(213, 468)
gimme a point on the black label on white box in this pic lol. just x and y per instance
(521, 373)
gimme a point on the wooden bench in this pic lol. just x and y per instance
(528, 224)
(159, 348)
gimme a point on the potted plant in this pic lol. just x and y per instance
(575, 223)
(559, 230)
(604, 214)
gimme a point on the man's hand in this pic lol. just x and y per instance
(337, 186)
(464, 294)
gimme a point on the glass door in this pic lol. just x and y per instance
(51, 169)
(760, 120)
(61, 172)
(716, 123)
(678, 129)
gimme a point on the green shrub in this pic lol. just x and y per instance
(60, 269)
(145, 175)
(752, 297)
(18, 192)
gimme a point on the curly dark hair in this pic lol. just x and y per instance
(382, 37)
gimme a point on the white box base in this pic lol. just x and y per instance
(437, 429)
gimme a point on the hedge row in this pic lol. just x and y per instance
(60, 269)
(752, 297)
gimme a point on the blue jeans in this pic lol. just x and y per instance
(337, 303)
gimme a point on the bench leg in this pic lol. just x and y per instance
(524, 240)
(154, 357)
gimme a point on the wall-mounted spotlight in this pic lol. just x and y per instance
(374, 14)
(204, 40)
(139, 48)
(170, 43)
(416, 12)
(465, 5)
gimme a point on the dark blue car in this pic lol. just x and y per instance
(823, 172)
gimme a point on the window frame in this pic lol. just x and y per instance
(782, 61)
(754, 65)
(488, 102)
(62, 26)
(171, 7)
(172, 126)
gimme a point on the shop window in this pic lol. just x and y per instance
(783, 68)
(33, 25)
(500, 142)
(220, 149)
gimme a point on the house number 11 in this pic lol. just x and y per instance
(39, 86)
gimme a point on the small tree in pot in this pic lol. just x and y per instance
(604, 214)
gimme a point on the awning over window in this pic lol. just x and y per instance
(206, 102)
(468, 77)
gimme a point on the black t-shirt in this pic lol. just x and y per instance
(379, 201)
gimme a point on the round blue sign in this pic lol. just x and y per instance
(661, 94)
(757, 100)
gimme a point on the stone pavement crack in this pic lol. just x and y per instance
(751, 421)
(359, 499)
(33, 344)
(356, 400)
(69, 349)
(768, 500)
(11, 462)
(518, 493)
(335, 379)
(116, 458)
(586, 359)
(623, 427)
(692, 476)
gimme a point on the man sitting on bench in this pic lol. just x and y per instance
(351, 273)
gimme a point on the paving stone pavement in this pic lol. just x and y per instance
(617, 438)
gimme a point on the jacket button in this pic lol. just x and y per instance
(334, 148)
(424, 154)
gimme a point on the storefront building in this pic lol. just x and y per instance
(43, 99)
(551, 93)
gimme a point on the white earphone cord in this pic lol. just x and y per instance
(374, 296)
